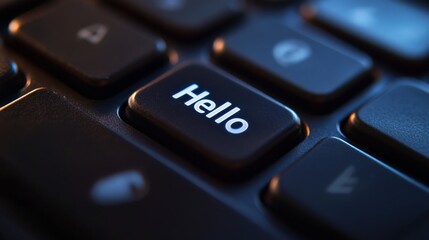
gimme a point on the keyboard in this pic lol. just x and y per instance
(226, 119)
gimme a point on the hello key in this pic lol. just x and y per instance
(214, 120)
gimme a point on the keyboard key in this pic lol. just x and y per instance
(85, 182)
(317, 75)
(10, 79)
(222, 125)
(395, 125)
(98, 51)
(185, 19)
(387, 27)
(348, 194)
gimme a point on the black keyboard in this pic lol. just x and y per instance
(214, 119)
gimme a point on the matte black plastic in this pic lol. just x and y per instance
(318, 75)
(337, 187)
(395, 126)
(74, 173)
(97, 51)
(185, 19)
(389, 28)
(271, 128)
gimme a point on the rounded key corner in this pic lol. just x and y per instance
(303, 129)
(129, 112)
(218, 46)
(271, 190)
(333, 139)
(42, 90)
(350, 123)
(14, 27)
(132, 99)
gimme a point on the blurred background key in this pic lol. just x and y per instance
(185, 19)
(319, 75)
(97, 51)
(390, 28)
(347, 194)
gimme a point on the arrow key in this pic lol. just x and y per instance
(348, 194)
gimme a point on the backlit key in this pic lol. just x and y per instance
(215, 121)
(89, 183)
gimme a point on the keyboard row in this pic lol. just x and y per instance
(205, 113)
(311, 72)
(101, 53)
(217, 122)
(232, 130)
(281, 61)
(335, 189)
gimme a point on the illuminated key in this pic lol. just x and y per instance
(213, 120)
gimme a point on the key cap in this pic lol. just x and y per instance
(98, 51)
(87, 183)
(10, 79)
(394, 30)
(318, 76)
(213, 120)
(186, 19)
(339, 188)
(395, 125)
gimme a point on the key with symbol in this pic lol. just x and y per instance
(77, 177)
(396, 31)
(98, 52)
(291, 62)
(220, 124)
(348, 194)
